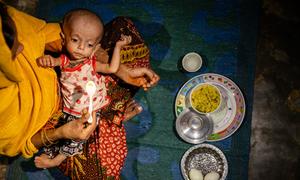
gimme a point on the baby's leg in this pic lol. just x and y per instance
(44, 161)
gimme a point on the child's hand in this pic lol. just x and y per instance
(47, 61)
(124, 40)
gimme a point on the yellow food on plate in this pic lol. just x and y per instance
(205, 98)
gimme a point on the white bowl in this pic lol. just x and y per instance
(192, 62)
(206, 98)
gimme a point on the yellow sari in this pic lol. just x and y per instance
(28, 93)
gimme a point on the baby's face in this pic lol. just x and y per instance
(81, 38)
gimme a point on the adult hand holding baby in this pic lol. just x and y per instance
(79, 129)
(76, 130)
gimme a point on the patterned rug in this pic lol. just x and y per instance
(223, 32)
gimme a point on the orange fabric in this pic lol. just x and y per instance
(28, 92)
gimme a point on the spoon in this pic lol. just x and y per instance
(90, 88)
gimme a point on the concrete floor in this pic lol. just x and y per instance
(275, 141)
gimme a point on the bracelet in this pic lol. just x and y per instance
(42, 137)
(45, 139)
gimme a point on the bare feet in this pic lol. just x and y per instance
(132, 109)
(44, 161)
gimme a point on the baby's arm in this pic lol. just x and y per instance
(115, 60)
(48, 61)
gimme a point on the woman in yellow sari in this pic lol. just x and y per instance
(29, 93)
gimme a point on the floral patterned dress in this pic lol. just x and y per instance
(73, 80)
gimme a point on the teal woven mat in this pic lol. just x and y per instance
(222, 31)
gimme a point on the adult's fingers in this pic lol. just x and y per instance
(155, 79)
(39, 61)
(51, 62)
(152, 76)
(152, 82)
(90, 127)
(47, 62)
(148, 72)
(84, 116)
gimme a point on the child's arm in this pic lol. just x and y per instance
(115, 60)
(48, 61)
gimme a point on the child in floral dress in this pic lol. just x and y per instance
(82, 31)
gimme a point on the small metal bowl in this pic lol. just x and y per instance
(192, 62)
(193, 127)
(204, 157)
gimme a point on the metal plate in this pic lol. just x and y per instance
(227, 121)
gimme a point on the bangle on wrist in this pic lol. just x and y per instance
(46, 141)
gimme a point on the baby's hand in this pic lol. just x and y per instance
(124, 40)
(47, 61)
